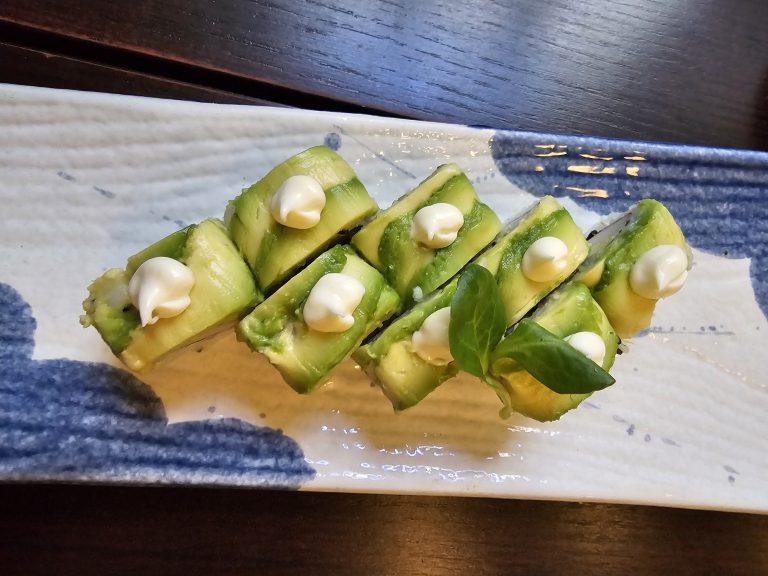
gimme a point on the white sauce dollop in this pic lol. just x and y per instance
(332, 301)
(298, 202)
(545, 259)
(437, 225)
(589, 344)
(160, 288)
(659, 272)
(430, 341)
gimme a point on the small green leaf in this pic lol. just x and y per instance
(552, 361)
(478, 320)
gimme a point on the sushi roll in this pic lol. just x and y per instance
(297, 210)
(539, 252)
(316, 319)
(180, 289)
(427, 236)
(636, 260)
(572, 315)
(411, 357)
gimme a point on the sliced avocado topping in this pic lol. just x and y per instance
(390, 360)
(504, 259)
(412, 269)
(224, 289)
(172, 246)
(614, 251)
(368, 239)
(108, 308)
(567, 311)
(274, 251)
(303, 356)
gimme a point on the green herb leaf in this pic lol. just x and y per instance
(478, 320)
(552, 361)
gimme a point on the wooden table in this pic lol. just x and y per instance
(644, 69)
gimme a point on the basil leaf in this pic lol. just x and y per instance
(478, 320)
(552, 361)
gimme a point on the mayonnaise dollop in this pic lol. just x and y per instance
(298, 202)
(160, 288)
(332, 301)
(430, 341)
(589, 344)
(437, 225)
(659, 272)
(545, 259)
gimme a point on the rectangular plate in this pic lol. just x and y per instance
(88, 179)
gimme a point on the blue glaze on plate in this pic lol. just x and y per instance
(64, 419)
(719, 197)
(333, 141)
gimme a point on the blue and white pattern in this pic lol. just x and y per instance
(70, 420)
(719, 197)
(88, 179)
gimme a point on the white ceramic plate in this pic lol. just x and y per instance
(88, 179)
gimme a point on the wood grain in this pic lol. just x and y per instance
(64, 57)
(102, 530)
(649, 69)
(37, 68)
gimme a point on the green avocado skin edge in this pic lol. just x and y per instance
(568, 310)
(390, 360)
(274, 252)
(414, 270)
(606, 271)
(224, 290)
(236, 261)
(305, 357)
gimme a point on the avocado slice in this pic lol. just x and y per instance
(224, 290)
(411, 268)
(504, 259)
(389, 358)
(304, 356)
(390, 361)
(569, 310)
(615, 249)
(273, 251)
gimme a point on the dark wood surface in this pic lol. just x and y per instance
(694, 72)
(102, 530)
(648, 69)
(35, 67)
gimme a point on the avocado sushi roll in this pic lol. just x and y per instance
(315, 320)
(181, 289)
(427, 236)
(638, 259)
(571, 314)
(540, 250)
(297, 210)
(411, 357)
